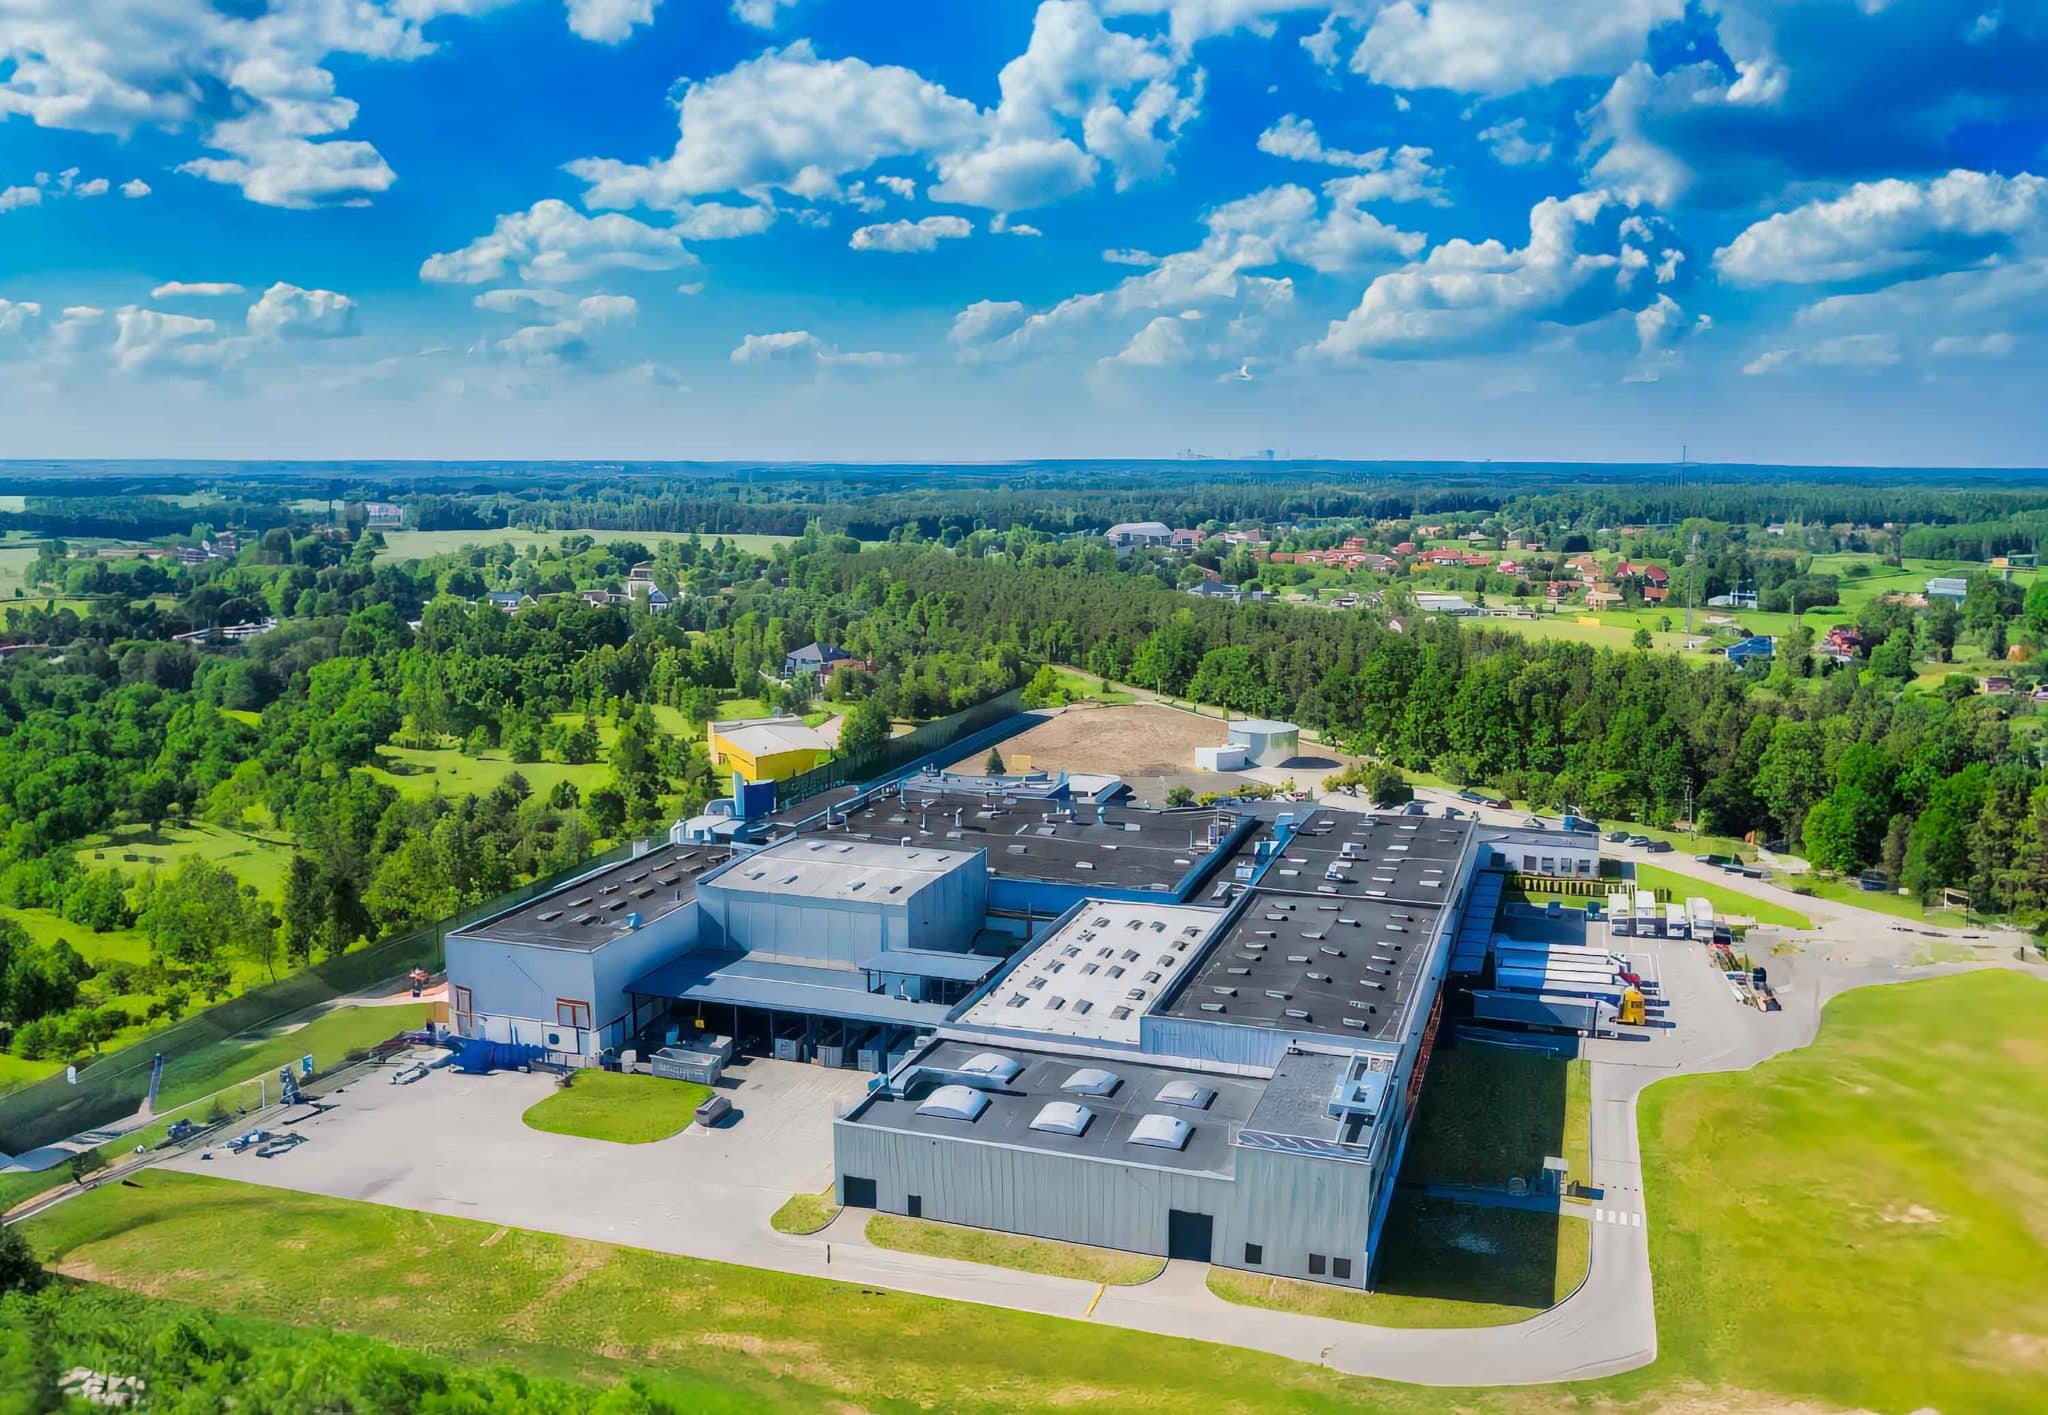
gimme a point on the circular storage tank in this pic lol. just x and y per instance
(1266, 743)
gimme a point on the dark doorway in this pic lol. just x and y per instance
(915, 1206)
(860, 1193)
(1188, 1235)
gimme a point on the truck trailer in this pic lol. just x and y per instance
(1548, 1012)
(1615, 993)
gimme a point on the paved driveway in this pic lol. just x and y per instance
(455, 1144)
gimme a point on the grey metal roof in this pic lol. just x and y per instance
(1414, 859)
(738, 979)
(1014, 1105)
(842, 866)
(1339, 967)
(1294, 1112)
(933, 963)
(1124, 847)
(588, 912)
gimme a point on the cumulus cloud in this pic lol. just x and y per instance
(565, 329)
(15, 198)
(134, 189)
(1889, 231)
(289, 312)
(1162, 342)
(1851, 351)
(802, 346)
(1516, 142)
(1191, 21)
(202, 289)
(1504, 46)
(16, 316)
(609, 21)
(146, 339)
(553, 243)
(1397, 174)
(1580, 265)
(53, 186)
(1125, 255)
(903, 237)
(1810, 91)
(761, 14)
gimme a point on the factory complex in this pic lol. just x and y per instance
(1196, 1032)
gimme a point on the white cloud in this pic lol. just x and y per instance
(134, 189)
(800, 345)
(51, 186)
(174, 289)
(787, 121)
(985, 321)
(761, 14)
(554, 243)
(1160, 343)
(566, 337)
(1504, 46)
(901, 186)
(1851, 351)
(1408, 178)
(17, 315)
(288, 312)
(146, 339)
(15, 198)
(1014, 175)
(1974, 346)
(1889, 230)
(609, 21)
(903, 237)
(1515, 142)
(1469, 297)
(1191, 21)
(1125, 255)
(97, 187)
(1015, 228)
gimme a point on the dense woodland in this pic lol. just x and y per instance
(1854, 768)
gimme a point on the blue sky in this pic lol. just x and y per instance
(1771, 230)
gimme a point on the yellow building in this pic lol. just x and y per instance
(767, 748)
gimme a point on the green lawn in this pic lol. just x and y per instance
(252, 858)
(422, 772)
(1864, 1222)
(1441, 1265)
(1845, 891)
(609, 1105)
(1726, 901)
(1087, 687)
(330, 1037)
(1489, 1114)
(1012, 1250)
(805, 1213)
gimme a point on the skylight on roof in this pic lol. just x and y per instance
(992, 1066)
(954, 1103)
(1092, 1081)
(1188, 1094)
(1162, 1132)
(1062, 1118)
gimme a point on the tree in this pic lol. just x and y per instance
(20, 1269)
(1387, 787)
(305, 898)
(1641, 639)
(1180, 796)
(992, 764)
(864, 728)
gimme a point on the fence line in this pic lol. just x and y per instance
(115, 1086)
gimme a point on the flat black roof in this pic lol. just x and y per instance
(1121, 847)
(1013, 1107)
(1341, 967)
(1411, 859)
(587, 913)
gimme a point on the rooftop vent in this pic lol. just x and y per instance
(1092, 1081)
(991, 1066)
(1187, 1094)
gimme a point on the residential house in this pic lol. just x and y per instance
(821, 661)
(384, 515)
(1185, 541)
(1406, 547)
(1842, 643)
(1947, 587)
(508, 600)
(1603, 597)
(1133, 535)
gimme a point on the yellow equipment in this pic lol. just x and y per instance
(1632, 1007)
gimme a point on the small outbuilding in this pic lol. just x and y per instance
(1266, 743)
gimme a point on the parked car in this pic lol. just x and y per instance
(1501, 803)
(289, 1140)
(178, 1134)
(1617, 837)
(1453, 813)
(1659, 847)
(248, 1140)
(1639, 840)
(713, 1111)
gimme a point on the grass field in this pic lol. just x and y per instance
(1898, 1166)
(627, 1110)
(805, 1213)
(416, 772)
(330, 1037)
(254, 859)
(1012, 1250)
(1441, 1265)
(1087, 687)
(1489, 1114)
(1726, 901)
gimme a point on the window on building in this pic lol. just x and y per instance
(571, 1013)
(1316, 1264)
(1340, 1268)
(1253, 1255)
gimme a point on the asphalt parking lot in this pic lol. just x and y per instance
(455, 1144)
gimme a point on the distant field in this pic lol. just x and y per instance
(1726, 901)
(416, 772)
(419, 545)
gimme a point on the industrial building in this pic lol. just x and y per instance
(766, 748)
(1196, 1032)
